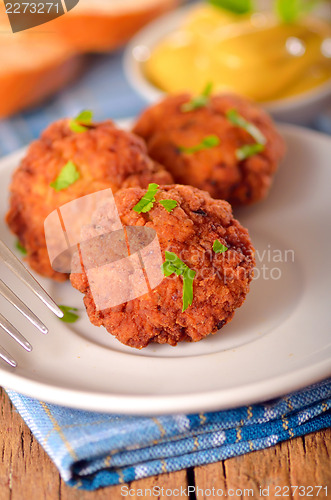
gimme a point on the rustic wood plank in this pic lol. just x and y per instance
(26, 471)
(310, 460)
(299, 462)
(164, 482)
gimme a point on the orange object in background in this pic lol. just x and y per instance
(37, 62)
(32, 67)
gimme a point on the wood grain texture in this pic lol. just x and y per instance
(27, 473)
(303, 461)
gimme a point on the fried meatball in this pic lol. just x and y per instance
(105, 157)
(189, 230)
(166, 128)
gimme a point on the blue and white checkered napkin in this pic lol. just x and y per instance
(95, 449)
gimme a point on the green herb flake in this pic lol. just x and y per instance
(68, 176)
(173, 264)
(235, 6)
(78, 124)
(199, 101)
(248, 150)
(218, 247)
(68, 315)
(207, 143)
(20, 248)
(148, 200)
(169, 205)
(236, 119)
(188, 278)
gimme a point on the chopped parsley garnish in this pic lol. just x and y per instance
(199, 101)
(148, 200)
(239, 121)
(218, 247)
(236, 6)
(173, 264)
(20, 247)
(79, 123)
(68, 175)
(68, 315)
(207, 143)
(249, 150)
(169, 205)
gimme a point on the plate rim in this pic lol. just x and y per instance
(266, 389)
(164, 404)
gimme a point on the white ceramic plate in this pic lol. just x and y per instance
(278, 341)
(298, 109)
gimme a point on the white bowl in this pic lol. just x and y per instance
(300, 109)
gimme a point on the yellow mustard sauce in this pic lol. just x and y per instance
(255, 56)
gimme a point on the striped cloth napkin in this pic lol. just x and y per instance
(93, 450)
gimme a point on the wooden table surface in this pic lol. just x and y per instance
(27, 473)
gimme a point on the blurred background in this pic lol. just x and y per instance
(277, 52)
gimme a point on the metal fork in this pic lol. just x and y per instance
(16, 266)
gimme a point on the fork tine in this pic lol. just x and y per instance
(7, 357)
(9, 328)
(9, 295)
(20, 270)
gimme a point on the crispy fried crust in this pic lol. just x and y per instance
(221, 283)
(105, 156)
(165, 127)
